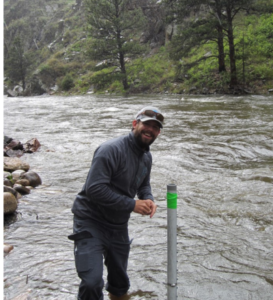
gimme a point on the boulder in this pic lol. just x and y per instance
(8, 189)
(31, 145)
(11, 93)
(23, 182)
(21, 189)
(33, 178)
(14, 163)
(7, 182)
(16, 175)
(10, 203)
(14, 144)
(7, 140)
(6, 174)
(7, 248)
(13, 153)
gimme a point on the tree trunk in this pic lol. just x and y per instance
(123, 71)
(221, 53)
(233, 72)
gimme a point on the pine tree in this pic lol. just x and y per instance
(17, 63)
(113, 24)
(215, 24)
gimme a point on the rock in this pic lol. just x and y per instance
(14, 163)
(7, 183)
(11, 93)
(32, 145)
(18, 89)
(14, 144)
(21, 189)
(23, 182)
(13, 153)
(6, 140)
(10, 203)
(7, 248)
(17, 174)
(6, 174)
(33, 178)
(8, 189)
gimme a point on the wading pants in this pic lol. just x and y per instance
(92, 244)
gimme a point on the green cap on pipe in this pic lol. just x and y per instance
(171, 196)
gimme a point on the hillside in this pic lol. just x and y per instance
(55, 38)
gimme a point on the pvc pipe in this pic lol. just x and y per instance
(172, 241)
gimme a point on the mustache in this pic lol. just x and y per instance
(148, 132)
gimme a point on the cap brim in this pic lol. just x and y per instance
(145, 119)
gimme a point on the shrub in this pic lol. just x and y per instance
(67, 82)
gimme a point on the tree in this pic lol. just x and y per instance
(17, 62)
(220, 14)
(198, 25)
(113, 24)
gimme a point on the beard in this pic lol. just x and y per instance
(141, 141)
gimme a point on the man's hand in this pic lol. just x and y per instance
(145, 207)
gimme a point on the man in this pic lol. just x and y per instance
(120, 169)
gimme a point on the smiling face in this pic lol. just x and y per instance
(145, 132)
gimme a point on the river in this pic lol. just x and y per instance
(218, 150)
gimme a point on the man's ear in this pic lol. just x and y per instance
(134, 123)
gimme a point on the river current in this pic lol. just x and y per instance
(218, 150)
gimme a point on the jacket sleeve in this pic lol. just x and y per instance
(144, 191)
(98, 183)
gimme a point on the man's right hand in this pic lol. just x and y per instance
(145, 207)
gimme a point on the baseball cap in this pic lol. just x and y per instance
(150, 113)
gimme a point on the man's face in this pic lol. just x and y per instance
(145, 133)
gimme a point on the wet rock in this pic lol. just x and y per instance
(16, 175)
(6, 174)
(7, 182)
(11, 190)
(23, 182)
(33, 178)
(21, 189)
(10, 203)
(32, 145)
(13, 153)
(7, 248)
(14, 148)
(14, 163)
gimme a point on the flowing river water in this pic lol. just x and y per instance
(218, 150)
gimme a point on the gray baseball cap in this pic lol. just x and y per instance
(148, 113)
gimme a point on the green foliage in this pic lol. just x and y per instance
(112, 25)
(67, 82)
(54, 68)
(59, 53)
(17, 62)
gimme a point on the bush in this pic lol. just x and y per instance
(67, 83)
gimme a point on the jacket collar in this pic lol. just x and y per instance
(133, 143)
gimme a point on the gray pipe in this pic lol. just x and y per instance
(172, 241)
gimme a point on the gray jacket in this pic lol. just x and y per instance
(120, 169)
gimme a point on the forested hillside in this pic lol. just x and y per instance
(116, 46)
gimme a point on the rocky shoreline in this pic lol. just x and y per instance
(18, 179)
